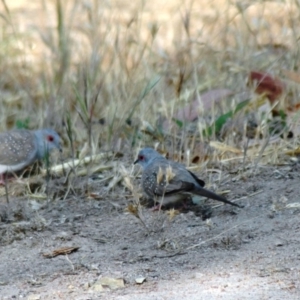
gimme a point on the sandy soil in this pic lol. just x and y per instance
(249, 253)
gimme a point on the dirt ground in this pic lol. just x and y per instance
(249, 253)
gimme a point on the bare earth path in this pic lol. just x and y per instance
(250, 253)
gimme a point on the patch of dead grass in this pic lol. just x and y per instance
(99, 73)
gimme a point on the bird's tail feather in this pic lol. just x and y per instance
(211, 195)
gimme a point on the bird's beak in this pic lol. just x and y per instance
(136, 161)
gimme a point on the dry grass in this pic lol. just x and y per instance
(105, 74)
(110, 77)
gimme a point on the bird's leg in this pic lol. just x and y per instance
(157, 207)
(2, 179)
(185, 203)
(6, 189)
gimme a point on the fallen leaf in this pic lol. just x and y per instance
(60, 251)
(133, 209)
(266, 84)
(293, 205)
(108, 282)
(224, 147)
(172, 213)
(293, 108)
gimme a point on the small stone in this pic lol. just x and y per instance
(140, 280)
(62, 235)
(198, 275)
(279, 243)
(94, 267)
(34, 297)
(98, 287)
(86, 285)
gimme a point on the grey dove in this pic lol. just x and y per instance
(20, 148)
(170, 181)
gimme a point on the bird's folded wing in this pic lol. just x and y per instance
(16, 147)
(14, 160)
(199, 181)
(174, 187)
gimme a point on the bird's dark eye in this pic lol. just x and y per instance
(141, 157)
(50, 138)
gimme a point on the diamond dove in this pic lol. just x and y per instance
(20, 148)
(170, 181)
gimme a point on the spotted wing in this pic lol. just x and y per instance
(163, 178)
(17, 147)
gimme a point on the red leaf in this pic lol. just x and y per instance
(265, 83)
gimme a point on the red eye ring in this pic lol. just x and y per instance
(141, 157)
(50, 138)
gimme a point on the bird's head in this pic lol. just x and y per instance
(145, 156)
(47, 140)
